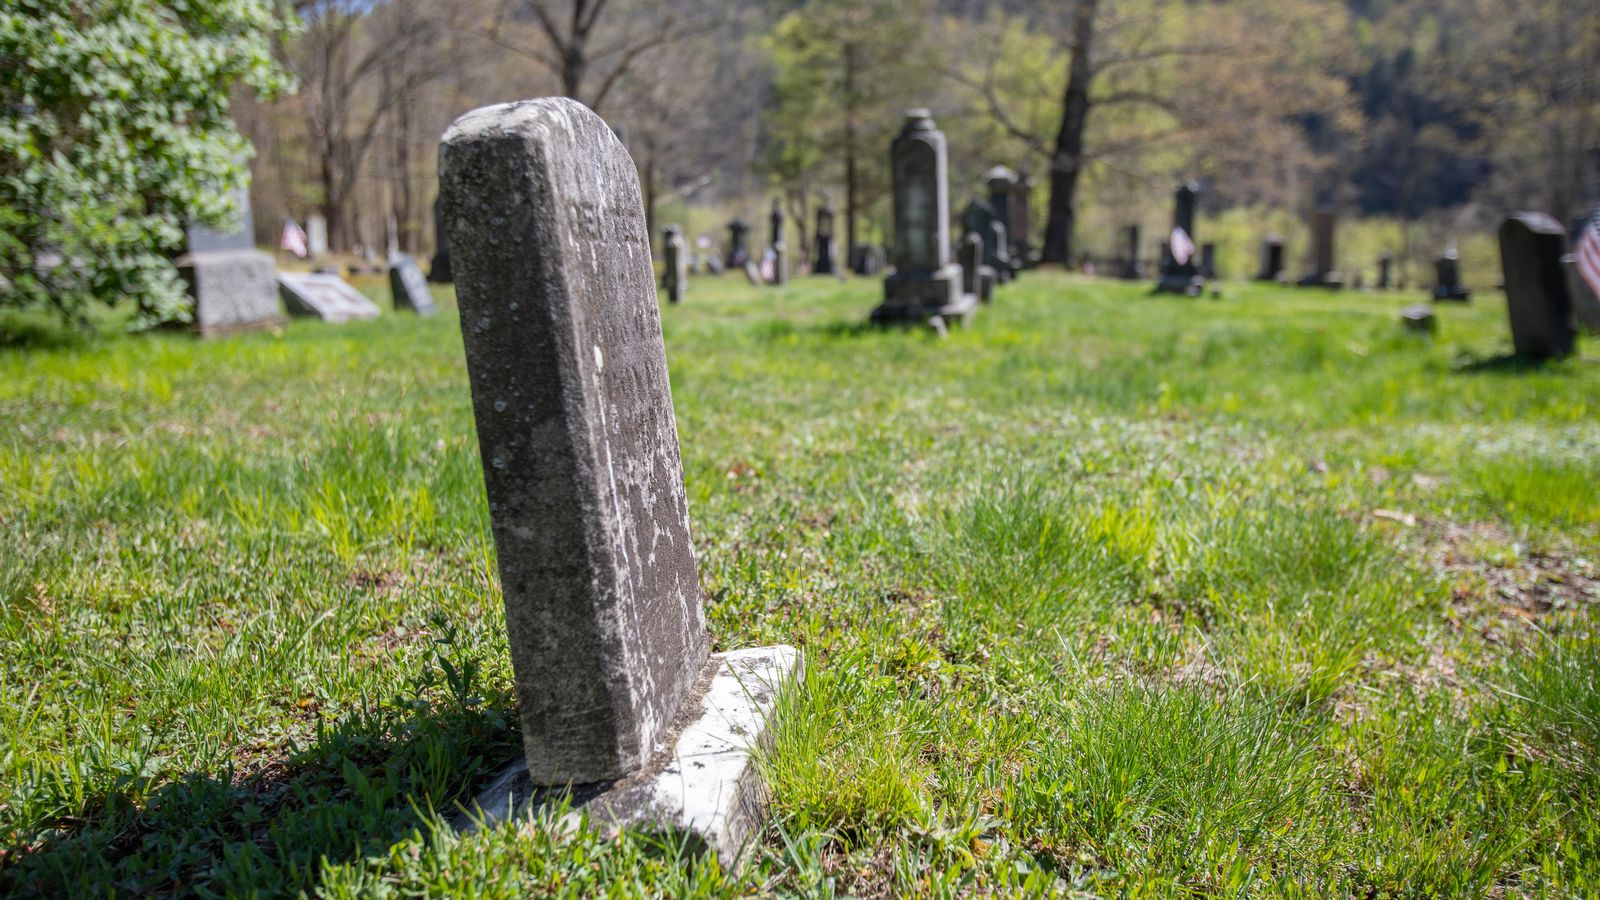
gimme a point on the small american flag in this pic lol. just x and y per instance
(1586, 257)
(1182, 246)
(294, 238)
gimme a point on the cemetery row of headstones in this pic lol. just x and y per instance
(926, 284)
(236, 287)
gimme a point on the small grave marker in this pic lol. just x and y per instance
(409, 287)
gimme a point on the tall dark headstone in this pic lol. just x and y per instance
(738, 248)
(1324, 222)
(926, 284)
(1447, 279)
(675, 268)
(439, 267)
(971, 259)
(981, 275)
(1385, 272)
(1531, 247)
(408, 287)
(1132, 268)
(581, 464)
(1271, 259)
(1182, 277)
(1003, 199)
(775, 219)
(1208, 261)
(824, 264)
(980, 218)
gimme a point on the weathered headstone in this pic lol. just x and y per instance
(1531, 246)
(1132, 268)
(1324, 222)
(926, 285)
(675, 274)
(1208, 261)
(1003, 199)
(738, 252)
(326, 296)
(867, 259)
(581, 465)
(317, 235)
(1447, 279)
(824, 263)
(980, 218)
(1182, 277)
(409, 287)
(1271, 259)
(439, 268)
(230, 281)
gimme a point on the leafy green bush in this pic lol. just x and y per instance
(114, 132)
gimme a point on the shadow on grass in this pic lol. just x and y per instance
(364, 783)
(1508, 363)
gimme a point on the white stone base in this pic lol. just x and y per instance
(704, 784)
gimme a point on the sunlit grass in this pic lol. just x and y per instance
(1107, 593)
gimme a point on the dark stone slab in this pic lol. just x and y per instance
(1271, 259)
(738, 249)
(324, 296)
(824, 262)
(675, 272)
(1324, 223)
(409, 288)
(1531, 247)
(575, 426)
(439, 269)
(1447, 279)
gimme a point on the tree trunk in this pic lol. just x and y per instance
(1067, 163)
(848, 252)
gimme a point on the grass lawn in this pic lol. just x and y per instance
(1106, 594)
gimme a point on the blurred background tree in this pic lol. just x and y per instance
(115, 132)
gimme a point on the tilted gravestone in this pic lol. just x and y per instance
(1531, 246)
(409, 287)
(675, 270)
(580, 457)
(1271, 259)
(1447, 279)
(926, 284)
(326, 296)
(439, 268)
(232, 283)
(1324, 222)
